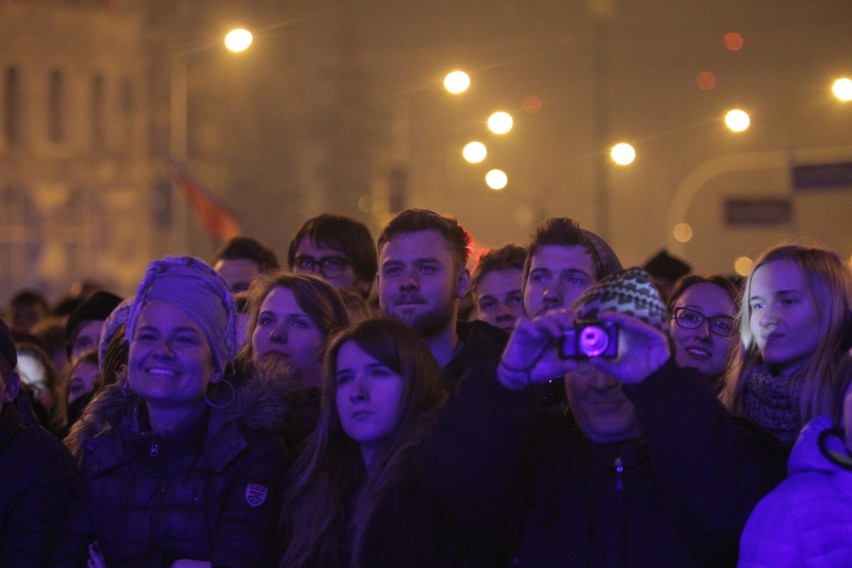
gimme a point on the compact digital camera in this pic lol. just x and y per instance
(590, 338)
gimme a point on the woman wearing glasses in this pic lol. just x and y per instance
(703, 325)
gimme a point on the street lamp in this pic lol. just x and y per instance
(457, 82)
(737, 120)
(500, 122)
(842, 89)
(237, 40)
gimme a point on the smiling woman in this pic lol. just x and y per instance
(170, 467)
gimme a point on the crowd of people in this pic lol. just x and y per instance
(375, 402)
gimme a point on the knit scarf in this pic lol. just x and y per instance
(772, 401)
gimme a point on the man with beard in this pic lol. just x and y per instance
(422, 276)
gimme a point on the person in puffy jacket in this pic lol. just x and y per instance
(173, 466)
(807, 520)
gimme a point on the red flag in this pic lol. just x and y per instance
(216, 219)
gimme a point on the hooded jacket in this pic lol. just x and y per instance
(807, 519)
(208, 490)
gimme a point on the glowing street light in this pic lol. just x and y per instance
(737, 120)
(842, 89)
(623, 154)
(474, 152)
(457, 82)
(500, 122)
(238, 40)
(496, 179)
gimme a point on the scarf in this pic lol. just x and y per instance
(772, 401)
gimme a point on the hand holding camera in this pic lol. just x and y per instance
(555, 343)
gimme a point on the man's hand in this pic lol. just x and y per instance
(642, 349)
(532, 354)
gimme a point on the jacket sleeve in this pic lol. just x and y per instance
(712, 467)
(473, 460)
(245, 534)
(41, 501)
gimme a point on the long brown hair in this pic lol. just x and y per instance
(829, 286)
(332, 495)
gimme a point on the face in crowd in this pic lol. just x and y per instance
(784, 320)
(170, 360)
(499, 298)
(284, 330)
(237, 272)
(419, 281)
(368, 399)
(557, 276)
(329, 264)
(704, 328)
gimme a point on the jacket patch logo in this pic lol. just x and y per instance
(256, 494)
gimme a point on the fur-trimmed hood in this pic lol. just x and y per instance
(257, 400)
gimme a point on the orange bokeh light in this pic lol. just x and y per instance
(733, 41)
(531, 104)
(706, 80)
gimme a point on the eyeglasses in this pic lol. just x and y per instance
(688, 318)
(331, 266)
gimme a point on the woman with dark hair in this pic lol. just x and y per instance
(797, 305)
(703, 312)
(354, 497)
(807, 520)
(172, 466)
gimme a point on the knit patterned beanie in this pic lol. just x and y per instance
(629, 292)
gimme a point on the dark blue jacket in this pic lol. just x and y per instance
(36, 474)
(209, 490)
(678, 496)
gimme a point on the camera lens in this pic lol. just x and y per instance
(593, 341)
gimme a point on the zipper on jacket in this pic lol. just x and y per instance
(619, 474)
(155, 450)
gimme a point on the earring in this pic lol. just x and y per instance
(231, 399)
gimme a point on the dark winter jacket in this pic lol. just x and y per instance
(678, 496)
(482, 343)
(36, 474)
(414, 530)
(208, 490)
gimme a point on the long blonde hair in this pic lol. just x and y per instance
(829, 287)
(332, 497)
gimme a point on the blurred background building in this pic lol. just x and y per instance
(116, 115)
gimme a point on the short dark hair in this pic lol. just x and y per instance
(249, 248)
(342, 233)
(563, 232)
(508, 257)
(417, 220)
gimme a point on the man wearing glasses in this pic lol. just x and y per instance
(336, 248)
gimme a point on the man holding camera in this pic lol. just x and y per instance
(645, 467)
